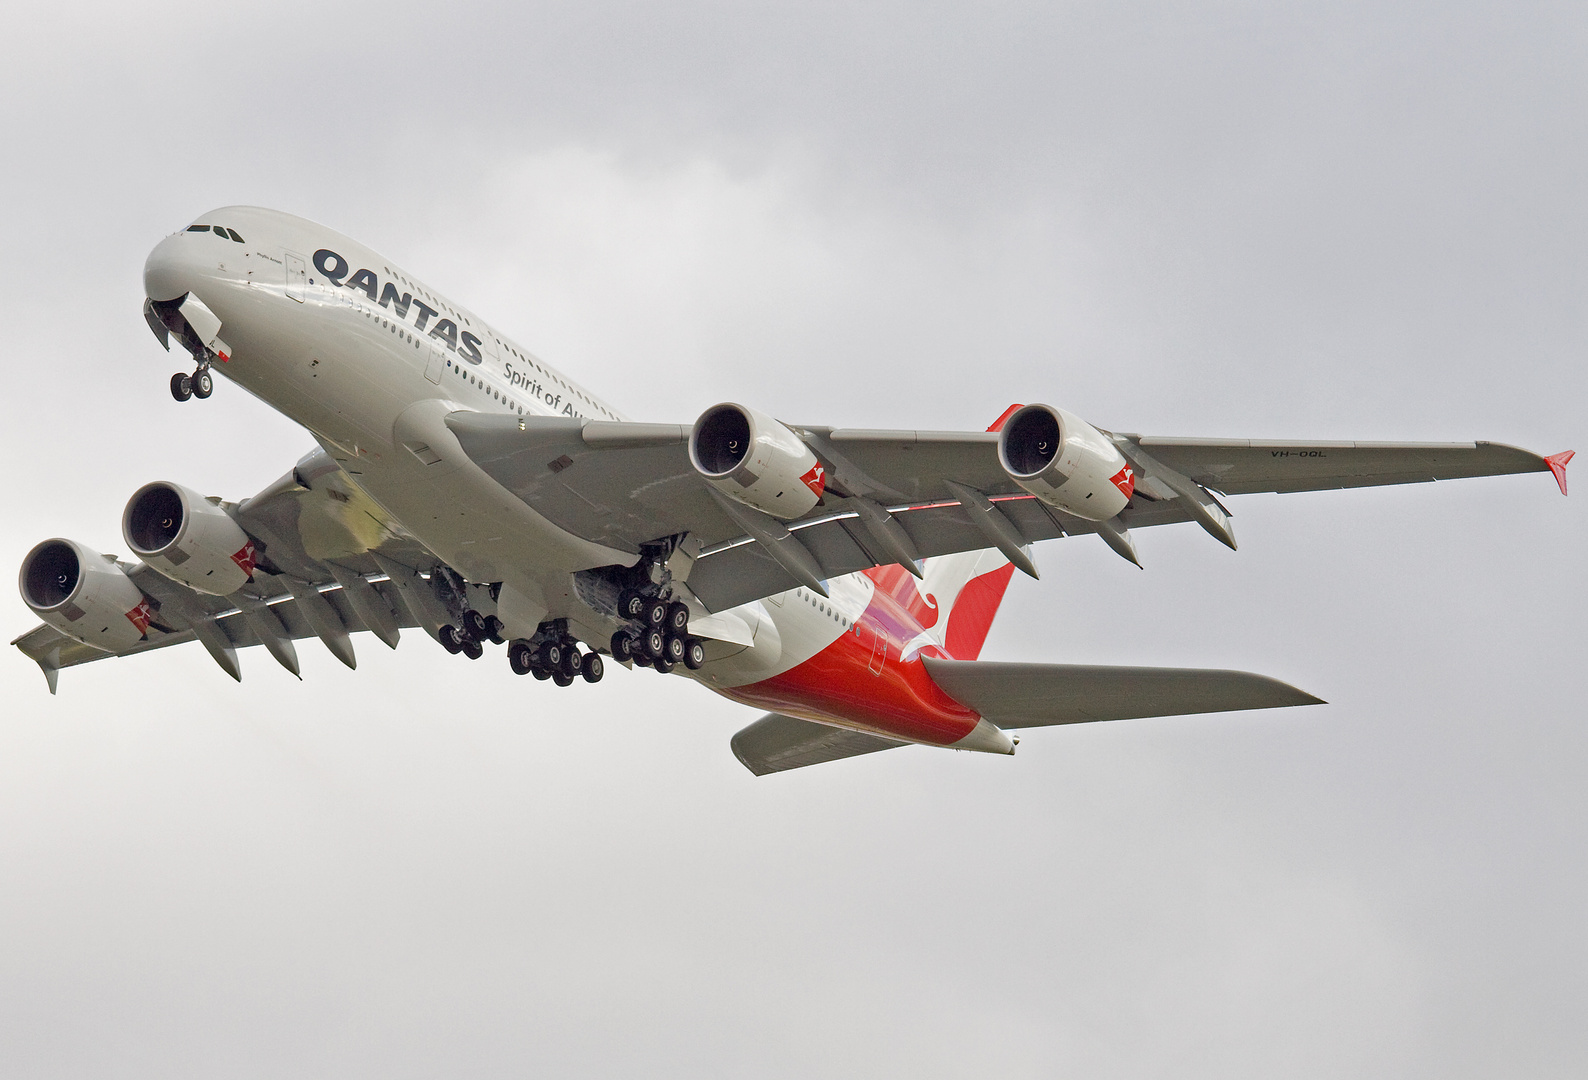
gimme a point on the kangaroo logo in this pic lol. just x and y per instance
(816, 479)
(1125, 481)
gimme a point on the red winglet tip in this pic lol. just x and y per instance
(998, 424)
(1557, 465)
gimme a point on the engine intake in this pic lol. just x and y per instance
(756, 460)
(1065, 462)
(188, 539)
(84, 595)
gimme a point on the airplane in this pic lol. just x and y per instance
(842, 580)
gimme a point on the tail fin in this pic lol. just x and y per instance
(967, 588)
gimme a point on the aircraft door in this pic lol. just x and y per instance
(297, 277)
(434, 362)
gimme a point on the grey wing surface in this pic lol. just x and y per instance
(332, 563)
(898, 496)
(1244, 466)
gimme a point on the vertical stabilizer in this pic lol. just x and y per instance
(967, 588)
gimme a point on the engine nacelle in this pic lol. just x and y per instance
(1065, 462)
(188, 539)
(84, 595)
(756, 460)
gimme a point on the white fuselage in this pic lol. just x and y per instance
(371, 361)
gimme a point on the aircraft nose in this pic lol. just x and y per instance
(168, 270)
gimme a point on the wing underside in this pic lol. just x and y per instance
(625, 485)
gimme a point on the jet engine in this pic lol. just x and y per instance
(1065, 462)
(84, 595)
(756, 460)
(188, 539)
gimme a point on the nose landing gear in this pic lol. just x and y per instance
(200, 384)
(197, 385)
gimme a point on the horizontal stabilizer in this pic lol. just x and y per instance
(1036, 695)
(777, 743)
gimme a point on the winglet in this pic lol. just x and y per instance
(1557, 465)
(998, 424)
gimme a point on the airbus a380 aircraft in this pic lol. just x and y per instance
(845, 580)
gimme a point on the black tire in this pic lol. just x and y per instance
(674, 649)
(592, 667)
(631, 604)
(562, 678)
(622, 646)
(181, 386)
(450, 639)
(655, 612)
(662, 665)
(570, 661)
(677, 618)
(654, 642)
(551, 655)
(521, 657)
(473, 649)
(540, 673)
(476, 625)
(203, 384)
(494, 629)
(695, 654)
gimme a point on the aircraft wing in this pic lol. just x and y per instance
(1243, 466)
(898, 496)
(331, 562)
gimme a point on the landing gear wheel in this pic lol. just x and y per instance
(655, 612)
(521, 657)
(203, 384)
(570, 663)
(494, 629)
(181, 386)
(662, 665)
(475, 624)
(551, 655)
(540, 673)
(562, 678)
(473, 649)
(450, 639)
(677, 618)
(654, 643)
(695, 654)
(631, 604)
(592, 668)
(674, 649)
(622, 646)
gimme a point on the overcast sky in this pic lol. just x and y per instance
(1311, 220)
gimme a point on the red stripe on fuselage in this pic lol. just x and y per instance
(862, 680)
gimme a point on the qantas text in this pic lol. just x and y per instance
(335, 268)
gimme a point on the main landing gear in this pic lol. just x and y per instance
(552, 653)
(557, 659)
(660, 637)
(657, 637)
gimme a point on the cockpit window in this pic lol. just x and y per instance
(218, 230)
